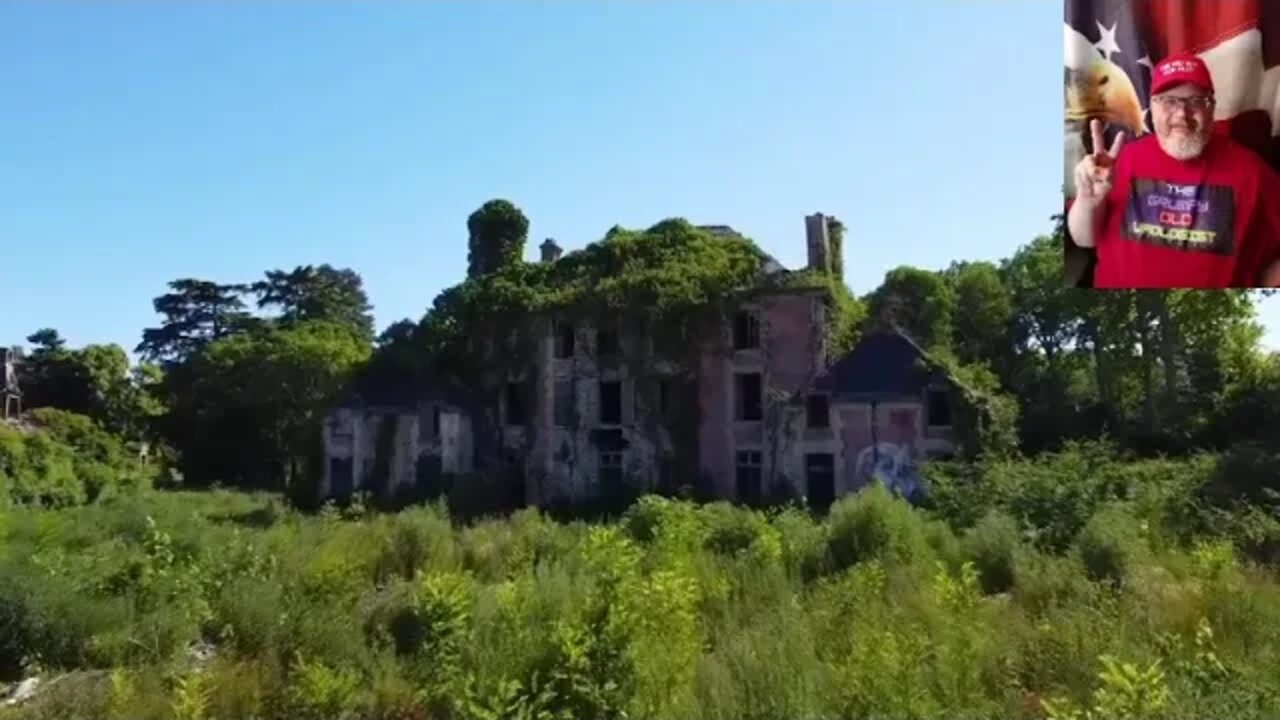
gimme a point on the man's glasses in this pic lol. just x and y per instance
(1193, 102)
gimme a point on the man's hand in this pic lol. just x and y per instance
(1093, 172)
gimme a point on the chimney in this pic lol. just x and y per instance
(550, 250)
(819, 242)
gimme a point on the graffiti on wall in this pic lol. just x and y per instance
(893, 464)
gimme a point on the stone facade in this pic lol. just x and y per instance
(776, 344)
(426, 440)
(588, 421)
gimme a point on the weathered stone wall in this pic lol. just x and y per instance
(855, 435)
(352, 435)
(790, 352)
(716, 424)
(564, 458)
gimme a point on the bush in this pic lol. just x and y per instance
(733, 531)
(1111, 544)
(1250, 473)
(994, 545)
(246, 614)
(414, 540)
(677, 611)
(805, 551)
(38, 470)
(17, 632)
(873, 524)
(1255, 531)
(319, 692)
(67, 460)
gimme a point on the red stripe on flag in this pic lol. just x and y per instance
(1177, 26)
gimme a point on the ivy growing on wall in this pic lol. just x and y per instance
(673, 283)
(672, 286)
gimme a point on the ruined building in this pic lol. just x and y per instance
(764, 410)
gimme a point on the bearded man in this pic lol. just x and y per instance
(1186, 207)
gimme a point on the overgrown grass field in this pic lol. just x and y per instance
(1074, 586)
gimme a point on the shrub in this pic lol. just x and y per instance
(733, 531)
(322, 692)
(805, 551)
(441, 618)
(18, 631)
(246, 614)
(994, 545)
(39, 470)
(1250, 473)
(643, 520)
(873, 524)
(67, 460)
(1055, 495)
(943, 543)
(1125, 692)
(766, 669)
(1111, 544)
(1043, 582)
(412, 541)
(958, 491)
(1256, 532)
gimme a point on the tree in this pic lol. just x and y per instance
(1048, 311)
(498, 232)
(324, 293)
(918, 301)
(981, 326)
(94, 381)
(41, 370)
(196, 312)
(46, 341)
(256, 401)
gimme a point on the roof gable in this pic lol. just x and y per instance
(883, 365)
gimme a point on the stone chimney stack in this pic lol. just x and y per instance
(824, 235)
(819, 242)
(550, 250)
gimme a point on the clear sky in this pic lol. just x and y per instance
(142, 142)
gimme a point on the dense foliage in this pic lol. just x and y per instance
(497, 233)
(59, 458)
(1077, 582)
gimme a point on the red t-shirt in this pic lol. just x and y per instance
(1210, 222)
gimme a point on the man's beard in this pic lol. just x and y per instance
(1184, 145)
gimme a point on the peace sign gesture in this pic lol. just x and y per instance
(1093, 172)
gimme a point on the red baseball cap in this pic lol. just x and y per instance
(1178, 69)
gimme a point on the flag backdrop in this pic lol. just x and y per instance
(1111, 46)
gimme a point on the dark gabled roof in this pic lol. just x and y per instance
(884, 365)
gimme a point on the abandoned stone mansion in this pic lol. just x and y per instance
(764, 408)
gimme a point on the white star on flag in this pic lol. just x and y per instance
(1107, 45)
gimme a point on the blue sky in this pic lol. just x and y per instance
(144, 142)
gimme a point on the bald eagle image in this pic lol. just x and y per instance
(1095, 87)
